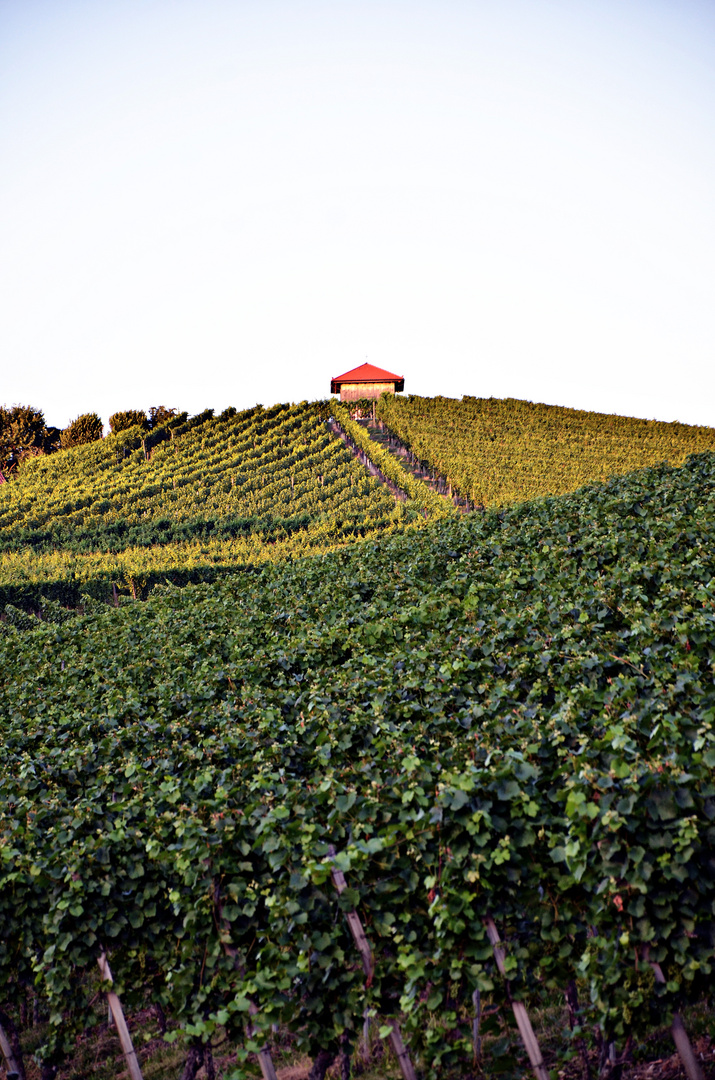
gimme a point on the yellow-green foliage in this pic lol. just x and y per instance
(240, 489)
(498, 451)
(417, 491)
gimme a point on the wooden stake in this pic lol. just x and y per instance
(366, 1035)
(521, 1016)
(265, 1060)
(680, 1035)
(571, 996)
(118, 1014)
(363, 946)
(403, 1057)
(11, 1065)
(354, 922)
(476, 1038)
(687, 1054)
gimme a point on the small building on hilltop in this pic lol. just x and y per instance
(366, 381)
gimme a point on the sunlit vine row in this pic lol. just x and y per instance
(500, 451)
(242, 488)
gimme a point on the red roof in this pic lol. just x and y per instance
(367, 373)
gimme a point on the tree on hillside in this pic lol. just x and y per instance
(159, 414)
(120, 421)
(24, 434)
(86, 428)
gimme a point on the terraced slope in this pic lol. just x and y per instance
(496, 452)
(239, 489)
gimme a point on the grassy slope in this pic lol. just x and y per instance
(498, 452)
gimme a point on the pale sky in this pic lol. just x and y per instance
(206, 202)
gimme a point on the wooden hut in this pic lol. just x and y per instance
(366, 381)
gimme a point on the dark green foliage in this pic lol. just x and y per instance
(17, 617)
(121, 421)
(52, 612)
(507, 714)
(159, 414)
(87, 428)
(24, 434)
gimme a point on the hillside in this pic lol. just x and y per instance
(497, 452)
(505, 715)
(196, 498)
(209, 494)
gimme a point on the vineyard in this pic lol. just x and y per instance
(186, 503)
(497, 723)
(496, 452)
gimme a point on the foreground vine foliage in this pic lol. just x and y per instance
(505, 715)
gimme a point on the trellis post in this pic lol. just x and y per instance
(12, 1067)
(363, 947)
(680, 1035)
(115, 1006)
(521, 1016)
(265, 1060)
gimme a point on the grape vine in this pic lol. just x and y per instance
(185, 503)
(506, 715)
(497, 452)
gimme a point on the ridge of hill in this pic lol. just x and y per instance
(506, 715)
(495, 452)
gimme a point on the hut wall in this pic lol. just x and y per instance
(356, 391)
